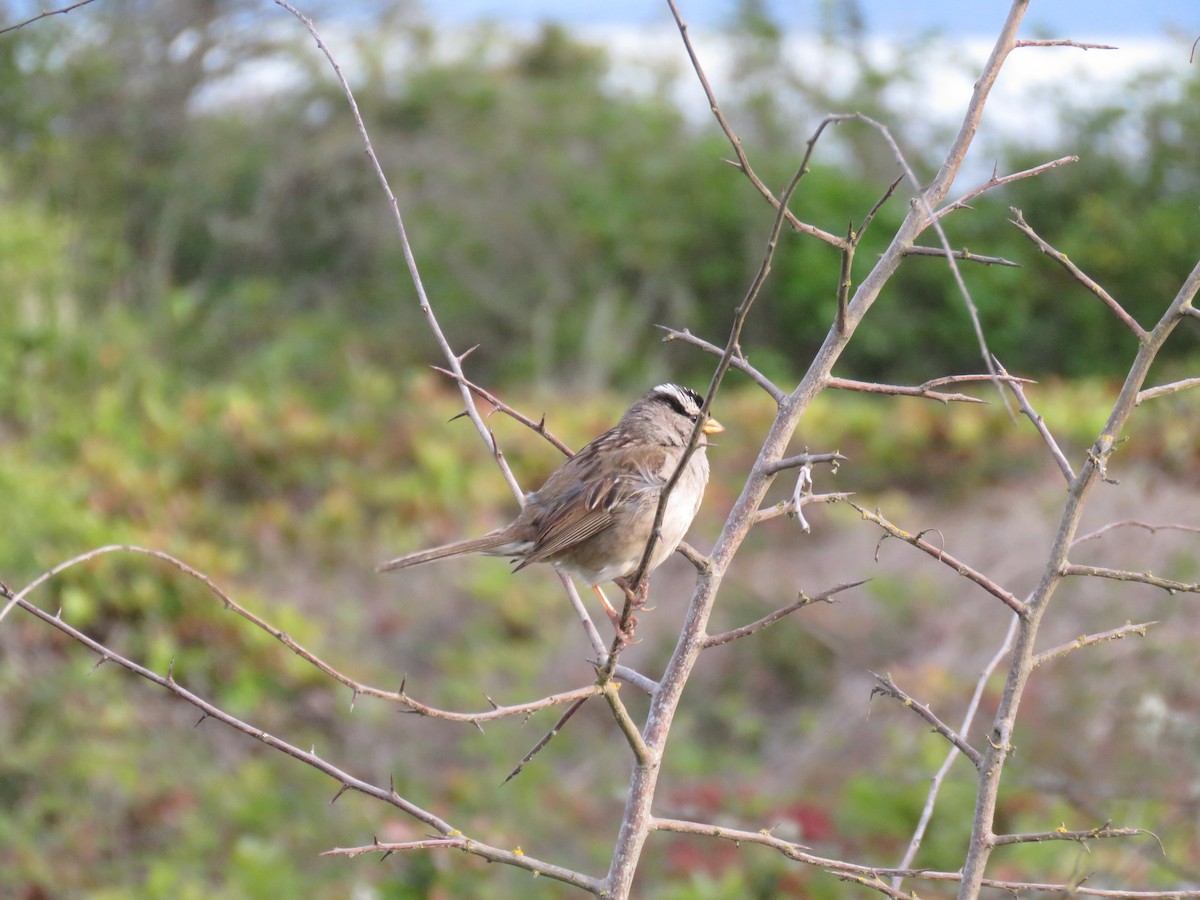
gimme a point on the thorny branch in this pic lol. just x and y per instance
(965, 255)
(538, 427)
(515, 857)
(922, 390)
(648, 744)
(637, 820)
(1163, 389)
(357, 688)
(938, 553)
(546, 739)
(1056, 568)
(1064, 43)
(1133, 523)
(1039, 423)
(310, 758)
(789, 507)
(453, 359)
(1062, 834)
(731, 350)
(715, 640)
(43, 15)
(935, 783)
(743, 162)
(1090, 640)
(1141, 577)
(1078, 274)
(886, 686)
(996, 181)
(875, 874)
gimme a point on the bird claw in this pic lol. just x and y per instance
(625, 635)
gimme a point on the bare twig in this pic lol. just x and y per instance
(538, 427)
(453, 359)
(549, 736)
(1163, 389)
(738, 362)
(943, 557)
(1133, 523)
(698, 560)
(803, 459)
(637, 580)
(874, 883)
(922, 390)
(923, 206)
(1089, 640)
(1077, 273)
(585, 618)
(1140, 577)
(725, 637)
(1056, 567)
(965, 255)
(642, 753)
(620, 672)
(886, 686)
(935, 783)
(357, 687)
(845, 281)
(743, 162)
(379, 846)
(1039, 423)
(516, 858)
(1062, 834)
(310, 758)
(998, 180)
(861, 230)
(1064, 43)
(853, 239)
(800, 853)
(637, 820)
(788, 507)
(964, 379)
(43, 15)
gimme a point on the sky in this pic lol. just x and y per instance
(1150, 34)
(1080, 19)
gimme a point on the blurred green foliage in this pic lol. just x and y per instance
(151, 172)
(209, 345)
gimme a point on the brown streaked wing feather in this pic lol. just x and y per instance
(574, 521)
(565, 533)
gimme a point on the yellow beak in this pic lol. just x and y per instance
(712, 426)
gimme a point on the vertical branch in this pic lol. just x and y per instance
(454, 360)
(732, 348)
(1024, 653)
(637, 818)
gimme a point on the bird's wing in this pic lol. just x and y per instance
(590, 506)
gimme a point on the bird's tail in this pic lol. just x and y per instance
(489, 543)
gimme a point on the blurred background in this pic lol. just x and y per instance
(209, 344)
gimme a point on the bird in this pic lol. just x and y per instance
(593, 516)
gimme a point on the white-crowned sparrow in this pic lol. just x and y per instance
(593, 516)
